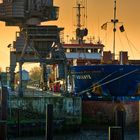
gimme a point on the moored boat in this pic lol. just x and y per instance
(104, 83)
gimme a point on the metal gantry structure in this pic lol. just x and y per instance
(34, 43)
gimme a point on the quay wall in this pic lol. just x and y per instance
(68, 108)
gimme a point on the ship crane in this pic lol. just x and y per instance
(34, 43)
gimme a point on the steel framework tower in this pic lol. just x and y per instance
(34, 43)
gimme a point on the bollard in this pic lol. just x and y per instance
(49, 122)
(115, 133)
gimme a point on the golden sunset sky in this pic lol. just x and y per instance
(99, 12)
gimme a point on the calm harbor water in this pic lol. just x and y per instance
(131, 134)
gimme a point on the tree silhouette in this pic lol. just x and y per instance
(35, 73)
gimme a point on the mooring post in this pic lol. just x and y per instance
(3, 117)
(115, 133)
(49, 122)
(139, 120)
(18, 122)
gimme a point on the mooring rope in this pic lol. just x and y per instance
(104, 78)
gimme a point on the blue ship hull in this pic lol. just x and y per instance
(106, 80)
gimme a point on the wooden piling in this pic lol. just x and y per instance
(3, 116)
(49, 122)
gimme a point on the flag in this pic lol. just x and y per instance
(104, 26)
(122, 28)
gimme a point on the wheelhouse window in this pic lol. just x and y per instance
(73, 50)
(70, 50)
(80, 49)
(67, 51)
(96, 50)
(88, 51)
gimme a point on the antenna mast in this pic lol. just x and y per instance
(81, 32)
(79, 15)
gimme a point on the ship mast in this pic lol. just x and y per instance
(114, 21)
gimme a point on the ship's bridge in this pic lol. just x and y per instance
(86, 51)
